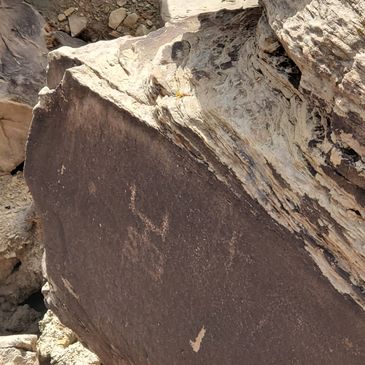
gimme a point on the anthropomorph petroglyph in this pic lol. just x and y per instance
(144, 244)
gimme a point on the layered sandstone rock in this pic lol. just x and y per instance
(192, 171)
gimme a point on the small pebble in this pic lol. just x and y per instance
(61, 17)
(69, 11)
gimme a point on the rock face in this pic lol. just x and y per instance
(192, 171)
(58, 345)
(20, 257)
(174, 11)
(15, 120)
(18, 350)
(23, 62)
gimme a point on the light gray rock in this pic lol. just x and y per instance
(59, 345)
(175, 10)
(21, 342)
(116, 17)
(18, 350)
(77, 24)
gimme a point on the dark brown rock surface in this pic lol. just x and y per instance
(162, 167)
(145, 248)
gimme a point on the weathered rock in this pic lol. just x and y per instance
(18, 350)
(15, 120)
(116, 17)
(175, 10)
(59, 345)
(77, 24)
(69, 11)
(20, 256)
(22, 74)
(23, 52)
(141, 30)
(63, 39)
(131, 20)
(21, 342)
(175, 156)
(61, 17)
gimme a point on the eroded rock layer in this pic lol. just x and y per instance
(174, 158)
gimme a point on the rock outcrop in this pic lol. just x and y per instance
(18, 350)
(58, 345)
(21, 252)
(192, 171)
(23, 59)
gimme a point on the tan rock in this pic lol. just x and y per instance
(68, 12)
(141, 30)
(77, 24)
(15, 119)
(131, 20)
(61, 17)
(116, 17)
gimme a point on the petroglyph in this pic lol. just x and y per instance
(143, 244)
(198, 341)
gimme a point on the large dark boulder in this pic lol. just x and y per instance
(180, 196)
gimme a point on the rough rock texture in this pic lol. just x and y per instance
(174, 158)
(23, 52)
(20, 256)
(175, 11)
(22, 74)
(18, 350)
(15, 120)
(326, 41)
(58, 345)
